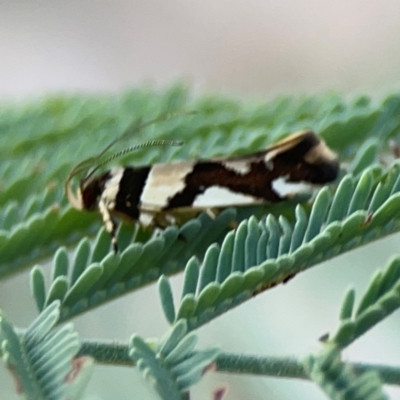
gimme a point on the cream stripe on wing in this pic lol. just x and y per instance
(111, 188)
(163, 182)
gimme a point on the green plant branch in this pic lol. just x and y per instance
(59, 126)
(116, 353)
(106, 351)
(34, 221)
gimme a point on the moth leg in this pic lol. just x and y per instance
(146, 219)
(109, 223)
(211, 213)
(173, 221)
(170, 219)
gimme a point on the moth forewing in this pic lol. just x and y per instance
(165, 194)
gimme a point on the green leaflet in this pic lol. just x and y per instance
(365, 157)
(167, 301)
(191, 277)
(347, 306)
(38, 287)
(58, 290)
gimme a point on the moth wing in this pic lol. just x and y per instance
(165, 181)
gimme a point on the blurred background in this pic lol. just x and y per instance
(252, 48)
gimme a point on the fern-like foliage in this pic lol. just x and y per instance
(338, 379)
(95, 275)
(48, 132)
(223, 267)
(42, 360)
(173, 365)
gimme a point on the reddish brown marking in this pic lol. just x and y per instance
(270, 285)
(220, 393)
(368, 219)
(77, 365)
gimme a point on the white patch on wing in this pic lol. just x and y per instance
(283, 188)
(111, 187)
(146, 219)
(218, 196)
(163, 182)
(241, 167)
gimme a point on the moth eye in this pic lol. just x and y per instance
(90, 194)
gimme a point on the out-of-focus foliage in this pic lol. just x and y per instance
(42, 141)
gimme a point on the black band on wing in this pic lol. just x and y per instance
(130, 190)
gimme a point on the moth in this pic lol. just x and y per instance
(163, 194)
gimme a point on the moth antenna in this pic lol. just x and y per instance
(137, 126)
(150, 143)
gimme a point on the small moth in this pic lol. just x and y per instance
(163, 194)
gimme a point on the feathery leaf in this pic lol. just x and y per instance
(381, 298)
(42, 360)
(174, 365)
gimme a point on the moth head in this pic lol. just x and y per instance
(74, 196)
(90, 190)
(87, 194)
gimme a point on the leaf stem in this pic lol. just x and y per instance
(116, 353)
